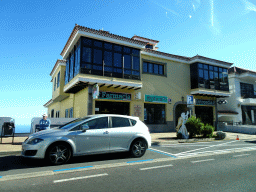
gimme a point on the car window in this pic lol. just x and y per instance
(133, 122)
(77, 128)
(120, 122)
(98, 123)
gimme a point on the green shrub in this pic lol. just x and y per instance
(207, 131)
(194, 126)
(221, 135)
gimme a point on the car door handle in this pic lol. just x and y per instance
(106, 132)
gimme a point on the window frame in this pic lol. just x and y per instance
(153, 63)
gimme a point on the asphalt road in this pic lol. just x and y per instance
(225, 172)
(16, 169)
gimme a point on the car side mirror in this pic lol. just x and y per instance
(85, 127)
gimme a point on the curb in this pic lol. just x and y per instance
(9, 153)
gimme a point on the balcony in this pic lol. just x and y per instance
(82, 81)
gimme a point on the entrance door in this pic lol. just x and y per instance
(205, 113)
(108, 107)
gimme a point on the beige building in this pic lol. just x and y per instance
(133, 78)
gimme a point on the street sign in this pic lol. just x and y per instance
(190, 100)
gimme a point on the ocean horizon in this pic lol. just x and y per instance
(22, 128)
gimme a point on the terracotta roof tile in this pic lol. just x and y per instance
(56, 64)
(239, 70)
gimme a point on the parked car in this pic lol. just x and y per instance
(95, 134)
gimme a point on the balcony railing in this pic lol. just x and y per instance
(108, 74)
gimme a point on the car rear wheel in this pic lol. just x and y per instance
(58, 154)
(138, 148)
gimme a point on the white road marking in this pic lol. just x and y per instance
(204, 145)
(215, 151)
(204, 148)
(77, 178)
(241, 155)
(162, 151)
(202, 160)
(156, 167)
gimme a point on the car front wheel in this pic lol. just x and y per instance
(138, 148)
(58, 154)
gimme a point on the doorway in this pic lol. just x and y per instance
(205, 114)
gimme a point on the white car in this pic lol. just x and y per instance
(93, 134)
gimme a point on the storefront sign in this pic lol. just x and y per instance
(204, 102)
(156, 99)
(114, 96)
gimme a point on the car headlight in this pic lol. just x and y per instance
(34, 141)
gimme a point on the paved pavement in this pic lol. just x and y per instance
(9, 148)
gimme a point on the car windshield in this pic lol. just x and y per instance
(73, 123)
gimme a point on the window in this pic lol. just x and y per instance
(149, 46)
(66, 113)
(154, 113)
(87, 55)
(210, 77)
(71, 113)
(99, 123)
(153, 68)
(57, 114)
(97, 58)
(247, 90)
(120, 122)
(54, 83)
(133, 122)
(52, 113)
(58, 80)
(108, 59)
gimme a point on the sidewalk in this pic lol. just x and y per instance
(7, 148)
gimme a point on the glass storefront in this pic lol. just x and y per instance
(154, 113)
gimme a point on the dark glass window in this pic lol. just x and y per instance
(52, 113)
(71, 113)
(149, 46)
(206, 76)
(87, 55)
(127, 50)
(247, 90)
(58, 80)
(120, 122)
(99, 123)
(54, 83)
(154, 113)
(136, 63)
(66, 113)
(117, 70)
(200, 65)
(108, 46)
(211, 67)
(133, 122)
(127, 62)
(205, 66)
(155, 68)
(127, 71)
(97, 67)
(150, 67)
(161, 69)
(97, 44)
(87, 41)
(117, 48)
(135, 51)
(145, 67)
(201, 73)
(108, 58)
(97, 59)
(215, 68)
(117, 60)
(137, 73)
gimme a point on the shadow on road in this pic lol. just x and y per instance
(18, 162)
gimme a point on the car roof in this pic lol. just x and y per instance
(112, 115)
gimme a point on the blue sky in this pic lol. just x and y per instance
(33, 34)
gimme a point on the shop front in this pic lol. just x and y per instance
(113, 103)
(204, 109)
(155, 112)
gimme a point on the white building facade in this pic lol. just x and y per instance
(241, 105)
